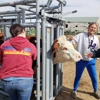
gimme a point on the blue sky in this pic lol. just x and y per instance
(85, 8)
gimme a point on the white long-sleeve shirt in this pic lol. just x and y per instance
(83, 41)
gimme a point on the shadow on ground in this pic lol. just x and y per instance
(66, 94)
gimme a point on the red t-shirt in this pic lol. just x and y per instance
(16, 57)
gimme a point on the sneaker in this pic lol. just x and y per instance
(73, 94)
(97, 95)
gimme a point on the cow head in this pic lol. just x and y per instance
(63, 50)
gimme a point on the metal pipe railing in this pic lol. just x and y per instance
(22, 2)
(9, 15)
(10, 12)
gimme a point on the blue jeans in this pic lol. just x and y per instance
(18, 89)
(91, 68)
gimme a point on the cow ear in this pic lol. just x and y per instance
(53, 44)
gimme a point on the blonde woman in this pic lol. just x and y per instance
(86, 42)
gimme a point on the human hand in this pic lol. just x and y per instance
(89, 55)
(70, 37)
(80, 57)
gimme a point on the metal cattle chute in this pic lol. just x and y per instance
(48, 21)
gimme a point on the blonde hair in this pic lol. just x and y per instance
(92, 24)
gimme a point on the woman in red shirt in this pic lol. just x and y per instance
(16, 57)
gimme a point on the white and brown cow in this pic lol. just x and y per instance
(63, 50)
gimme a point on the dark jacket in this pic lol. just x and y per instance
(96, 54)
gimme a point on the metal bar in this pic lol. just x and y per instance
(8, 35)
(54, 17)
(62, 1)
(4, 29)
(23, 15)
(6, 15)
(24, 25)
(48, 32)
(60, 64)
(61, 8)
(57, 67)
(28, 25)
(43, 57)
(5, 23)
(61, 32)
(10, 12)
(60, 75)
(65, 14)
(38, 48)
(51, 64)
(31, 4)
(49, 3)
(52, 8)
(33, 13)
(60, 89)
(18, 19)
(33, 17)
(22, 2)
(27, 9)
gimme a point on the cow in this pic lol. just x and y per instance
(63, 50)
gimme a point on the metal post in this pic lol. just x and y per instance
(6, 32)
(51, 65)
(43, 57)
(18, 19)
(38, 48)
(4, 29)
(48, 60)
(23, 15)
(57, 67)
(61, 32)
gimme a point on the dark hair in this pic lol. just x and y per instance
(16, 29)
(92, 24)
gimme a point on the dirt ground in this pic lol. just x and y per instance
(85, 89)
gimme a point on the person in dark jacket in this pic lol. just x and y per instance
(16, 57)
